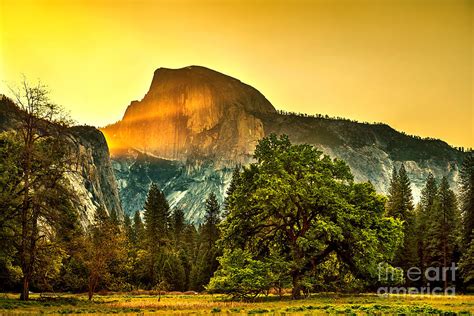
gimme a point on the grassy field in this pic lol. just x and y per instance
(317, 304)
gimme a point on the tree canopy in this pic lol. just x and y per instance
(298, 205)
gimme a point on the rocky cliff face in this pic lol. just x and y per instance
(193, 112)
(194, 125)
(93, 178)
(185, 184)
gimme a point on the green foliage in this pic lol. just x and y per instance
(48, 265)
(35, 196)
(206, 252)
(467, 210)
(178, 224)
(467, 197)
(138, 230)
(157, 234)
(466, 264)
(301, 206)
(294, 218)
(400, 199)
(424, 216)
(442, 229)
(240, 275)
(168, 252)
(10, 179)
(156, 215)
(400, 206)
(104, 253)
(211, 219)
(437, 218)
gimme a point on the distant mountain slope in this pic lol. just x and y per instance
(93, 179)
(195, 124)
(371, 150)
(186, 184)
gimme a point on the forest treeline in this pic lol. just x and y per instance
(294, 218)
(344, 119)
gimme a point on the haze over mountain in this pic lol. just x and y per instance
(195, 124)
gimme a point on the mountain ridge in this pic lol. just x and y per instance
(207, 122)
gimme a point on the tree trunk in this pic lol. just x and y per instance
(445, 251)
(445, 264)
(92, 285)
(296, 290)
(24, 245)
(90, 294)
(24, 249)
(25, 291)
(29, 255)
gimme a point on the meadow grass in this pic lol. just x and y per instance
(317, 304)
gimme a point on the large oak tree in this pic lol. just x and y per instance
(303, 207)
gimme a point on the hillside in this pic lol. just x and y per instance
(195, 124)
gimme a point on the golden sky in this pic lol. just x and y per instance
(406, 63)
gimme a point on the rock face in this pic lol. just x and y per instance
(193, 112)
(194, 125)
(185, 184)
(93, 178)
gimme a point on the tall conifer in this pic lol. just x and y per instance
(425, 213)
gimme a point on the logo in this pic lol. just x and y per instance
(393, 276)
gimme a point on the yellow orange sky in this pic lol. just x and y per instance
(406, 63)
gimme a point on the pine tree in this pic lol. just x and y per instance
(425, 214)
(130, 235)
(429, 194)
(400, 198)
(233, 182)
(406, 197)
(182, 255)
(232, 186)
(206, 260)
(466, 263)
(211, 219)
(178, 225)
(127, 225)
(467, 198)
(400, 206)
(138, 229)
(393, 194)
(191, 242)
(156, 215)
(442, 228)
(137, 269)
